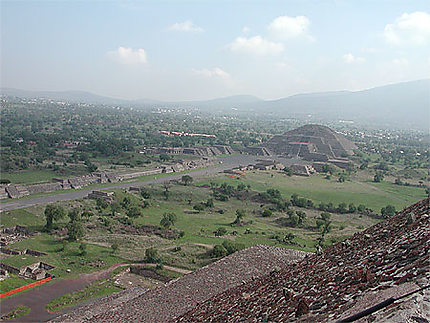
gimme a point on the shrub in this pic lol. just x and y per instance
(266, 213)
(220, 232)
(219, 251)
(151, 256)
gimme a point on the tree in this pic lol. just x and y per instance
(53, 213)
(83, 249)
(74, 215)
(302, 216)
(166, 191)
(145, 194)
(75, 230)
(288, 171)
(64, 245)
(239, 216)
(379, 177)
(324, 223)
(361, 208)
(231, 247)
(115, 207)
(114, 247)
(341, 178)
(210, 203)
(164, 157)
(266, 213)
(388, 211)
(168, 220)
(342, 208)
(134, 211)
(352, 208)
(102, 203)
(241, 187)
(151, 256)
(289, 238)
(187, 179)
(219, 251)
(293, 219)
(220, 232)
(199, 207)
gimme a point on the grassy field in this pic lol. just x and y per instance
(29, 177)
(319, 189)
(193, 249)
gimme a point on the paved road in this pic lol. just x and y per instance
(227, 163)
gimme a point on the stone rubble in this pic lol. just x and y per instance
(165, 303)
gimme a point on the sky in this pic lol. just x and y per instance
(195, 50)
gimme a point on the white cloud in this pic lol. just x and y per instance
(214, 72)
(400, 61)
(186, 26)
(370, 50)
(285, 27)
(256, 45)
(350, 59)
(413, 28)
(126, 55)
(245, 29)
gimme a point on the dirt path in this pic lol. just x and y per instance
(37, 298)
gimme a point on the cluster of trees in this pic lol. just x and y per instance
(226, 248)
(203, 205)
(54, 213)
(168, 220)
(341, 208)
(274, 196)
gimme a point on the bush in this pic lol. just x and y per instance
(75, 230)
(388, 211)
(134, 212)
(151, 256)
(220, 232)
(219, 251)
(266, 213)
(145, 194)
(199, 207)
(168, 220)
(231, 247)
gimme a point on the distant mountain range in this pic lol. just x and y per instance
(406, 103)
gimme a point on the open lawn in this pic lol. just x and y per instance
(193, 249)
(319, 189)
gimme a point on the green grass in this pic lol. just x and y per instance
(16, 313)
(101, 186)
(29, 177)
(62, 260)
(12, 282)
(97, 289)
(318, 189)
(21, 217)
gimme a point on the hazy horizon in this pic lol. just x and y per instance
(187, 51)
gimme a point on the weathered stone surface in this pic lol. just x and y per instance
(312, 142)
(165, 303)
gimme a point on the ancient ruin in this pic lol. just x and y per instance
(178, 296)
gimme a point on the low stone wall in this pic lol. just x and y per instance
(17, 191)
(10, 269)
